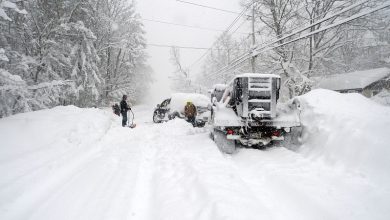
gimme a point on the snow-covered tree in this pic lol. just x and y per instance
(79, 52)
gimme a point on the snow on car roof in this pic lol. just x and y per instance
(179, 100)
(219, 87)
(353, 80)
(257, 75)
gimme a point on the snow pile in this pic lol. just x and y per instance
(179, 100)
(347, 130)
(382, 97)
(38, 149)
(353, 80)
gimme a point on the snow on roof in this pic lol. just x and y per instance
(219, 87)
(179, 100)
(257, 75)
(353, 80)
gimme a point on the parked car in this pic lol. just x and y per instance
(173, 107)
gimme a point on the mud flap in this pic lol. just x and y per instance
(224, 145)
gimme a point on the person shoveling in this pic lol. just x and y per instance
(124, 109)
(190, 113)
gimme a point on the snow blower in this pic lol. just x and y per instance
(132, 125)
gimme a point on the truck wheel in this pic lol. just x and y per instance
(292, 140)
(211, 135)
(224, 145)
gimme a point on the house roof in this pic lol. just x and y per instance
(353, 80)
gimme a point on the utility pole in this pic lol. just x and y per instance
(253, 60)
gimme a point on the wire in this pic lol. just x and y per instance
(209, 7)
(181, 47)
(271, 42)
(184, 47)
(183, 25)
(225, 32)
(312, 25)
(350, 18)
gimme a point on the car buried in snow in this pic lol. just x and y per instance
(173, 107)
(247, 113)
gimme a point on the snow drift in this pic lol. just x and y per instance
(347, 130)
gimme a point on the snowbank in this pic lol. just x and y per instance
(39, 149)
(347, 130)
(382, 98)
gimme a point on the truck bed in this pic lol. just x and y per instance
(226, 117)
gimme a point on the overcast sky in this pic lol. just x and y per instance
(176, 12)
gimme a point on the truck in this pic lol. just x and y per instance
(248, 113)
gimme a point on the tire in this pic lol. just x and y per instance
(293, 140)
(225, 146)
(211, 136)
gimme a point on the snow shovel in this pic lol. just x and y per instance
(132, 125)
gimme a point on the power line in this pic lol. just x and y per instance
(351, 18)
(247, 55)
(183, 25)
(225, 32)
(174, 46)
(184, 47)
(271, 42)
(313, 24)
(209, 7)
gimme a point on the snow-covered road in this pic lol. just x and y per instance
(71, 163)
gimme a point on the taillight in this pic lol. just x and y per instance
(230, 132)
(276, 133)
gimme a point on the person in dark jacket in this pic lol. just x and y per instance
(190, 112)
(124, 108)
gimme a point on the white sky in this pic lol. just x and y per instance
(177, 12)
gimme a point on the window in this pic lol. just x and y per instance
(165, 103)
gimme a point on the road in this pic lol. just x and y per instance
(71, 166)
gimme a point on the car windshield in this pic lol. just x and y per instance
(165, 103)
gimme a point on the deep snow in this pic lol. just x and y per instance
(71, 163)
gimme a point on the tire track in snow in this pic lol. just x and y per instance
(300, 188)
(178, 181)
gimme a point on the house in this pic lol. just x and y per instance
(368, 82)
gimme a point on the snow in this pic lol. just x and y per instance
(4, 15)
(10, 5)
(179, 100)
(353, 80)
(219, 87)
(347, 130)
(257, 75)
(226, 117)
(72, 163)
(3, 57)
(287, 116)
(51, 84)
(382, 97)
(8, 78)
